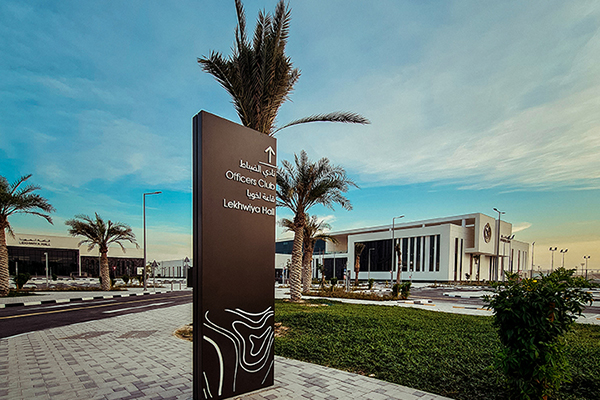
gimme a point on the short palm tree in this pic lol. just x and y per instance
(358, 249)
(15, 199)
(259, 76)
(102, 234)
(313, 231)
(299, 187)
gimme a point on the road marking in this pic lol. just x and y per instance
(132, 308)
(67, 305)
(80, 308)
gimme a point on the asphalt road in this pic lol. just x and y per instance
(437, 295)
(18, 320)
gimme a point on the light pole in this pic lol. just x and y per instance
(586, 265)
(532, 254)
(144, 207)
(394, 250)
(552, 249)
(46, 254)
(369, 274)
(498, 244)
(563, 251)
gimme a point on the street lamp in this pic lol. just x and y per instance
(369, 273)
(563, 251)
(144, 207)
(498, 243)
(586, 265)
(46, 254)
(394, 250)
(552, 249)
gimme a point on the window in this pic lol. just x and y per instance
(404, 254)
(431, 252)
(418, 260)
(437, 253)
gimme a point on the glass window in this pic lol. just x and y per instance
(437, 253)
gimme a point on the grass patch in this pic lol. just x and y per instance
(448, 354)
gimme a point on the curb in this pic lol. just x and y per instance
(37, 303)
(462, 296)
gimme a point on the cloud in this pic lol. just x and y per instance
(521, 226)
(500, 96)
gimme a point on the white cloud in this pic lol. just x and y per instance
(500, 96)
(521, 226)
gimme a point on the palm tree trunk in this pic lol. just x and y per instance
(104, 273)
(307, 270)
(296, 265)
(4, 283)
(399, 272)
(356, 270)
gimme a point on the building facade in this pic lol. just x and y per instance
(451, 249)
(27, 253)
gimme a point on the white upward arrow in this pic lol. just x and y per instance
(271, 152)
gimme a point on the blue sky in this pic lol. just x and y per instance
(474, 105)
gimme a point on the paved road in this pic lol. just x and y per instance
(18, 320)
(462, 296)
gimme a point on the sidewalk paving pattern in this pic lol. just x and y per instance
(136, 356)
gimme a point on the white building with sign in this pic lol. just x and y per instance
(451, 249)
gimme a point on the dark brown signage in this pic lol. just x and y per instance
(234, 257)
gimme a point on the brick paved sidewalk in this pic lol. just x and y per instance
(136, 356)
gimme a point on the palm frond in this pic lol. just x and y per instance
(338, 116)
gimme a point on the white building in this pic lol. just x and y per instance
(450, 249)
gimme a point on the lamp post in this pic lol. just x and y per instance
(369, 274)
(46, 254)
(498, 243)
(144, 207)
(563, 251)
(552, 249)
(532, 254)
(586, 258)
(394, 250)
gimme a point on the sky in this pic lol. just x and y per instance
(473, 105)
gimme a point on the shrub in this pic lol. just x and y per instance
(402, 290)
(371, 282)
(54, 277)
(125, 278)
(112, 281)
(333, 281)
(20, 280)
(405, 290)
(532, 317)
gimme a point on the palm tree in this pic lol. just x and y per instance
(299, 187)
(358, 249)
(397, 248)
(15, 199)
(102, 234)
(313, 231)
(259, 76)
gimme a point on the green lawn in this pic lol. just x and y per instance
(448, 354)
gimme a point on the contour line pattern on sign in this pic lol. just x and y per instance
(243, 350)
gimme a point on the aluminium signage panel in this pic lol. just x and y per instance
(234, 243)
